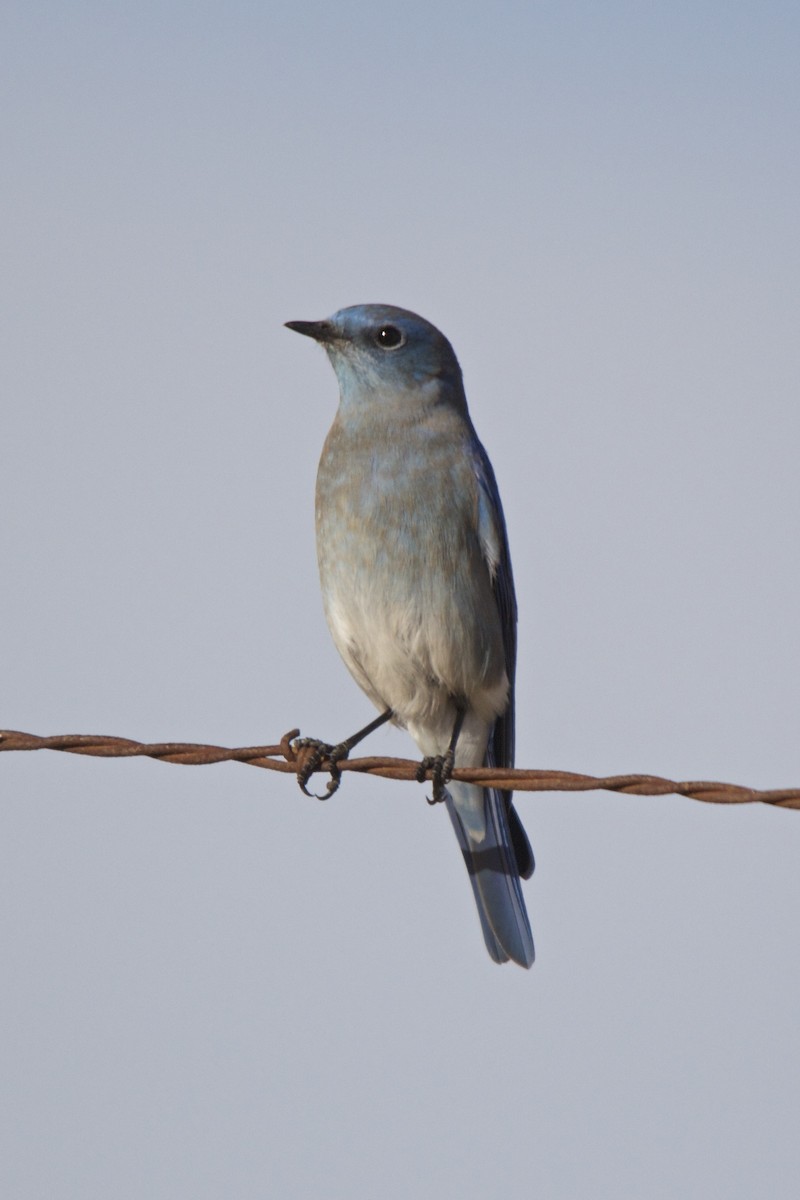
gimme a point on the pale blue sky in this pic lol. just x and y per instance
(212, 986)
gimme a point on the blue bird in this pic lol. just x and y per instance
(417, 585)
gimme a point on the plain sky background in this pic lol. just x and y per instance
(211, 986)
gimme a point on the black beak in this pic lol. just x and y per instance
(320, 331)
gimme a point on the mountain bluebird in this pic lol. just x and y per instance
(417, 585)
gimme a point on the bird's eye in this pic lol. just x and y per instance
(389, 337)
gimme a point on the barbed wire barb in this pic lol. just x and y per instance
(286, 759)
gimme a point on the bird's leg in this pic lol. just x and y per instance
(332, 755)
(441, 765)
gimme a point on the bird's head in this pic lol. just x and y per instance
(378, 350)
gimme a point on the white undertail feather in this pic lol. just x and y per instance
(493, 872)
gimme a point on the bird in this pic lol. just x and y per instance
(417, 585)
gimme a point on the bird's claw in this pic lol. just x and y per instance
(312, 754)
(441, 769)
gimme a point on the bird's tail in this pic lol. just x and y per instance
(481, 821)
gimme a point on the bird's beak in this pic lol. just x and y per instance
(320, 331)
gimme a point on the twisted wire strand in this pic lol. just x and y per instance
(287, 759)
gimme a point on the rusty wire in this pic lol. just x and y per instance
(285, 758)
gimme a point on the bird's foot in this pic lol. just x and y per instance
(311, 754)
(441, 769)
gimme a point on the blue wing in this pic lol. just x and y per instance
(492, 532)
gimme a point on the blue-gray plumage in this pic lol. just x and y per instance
(416, 579)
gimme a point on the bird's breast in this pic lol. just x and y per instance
(406, 588)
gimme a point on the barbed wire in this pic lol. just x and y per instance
(289, 760)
